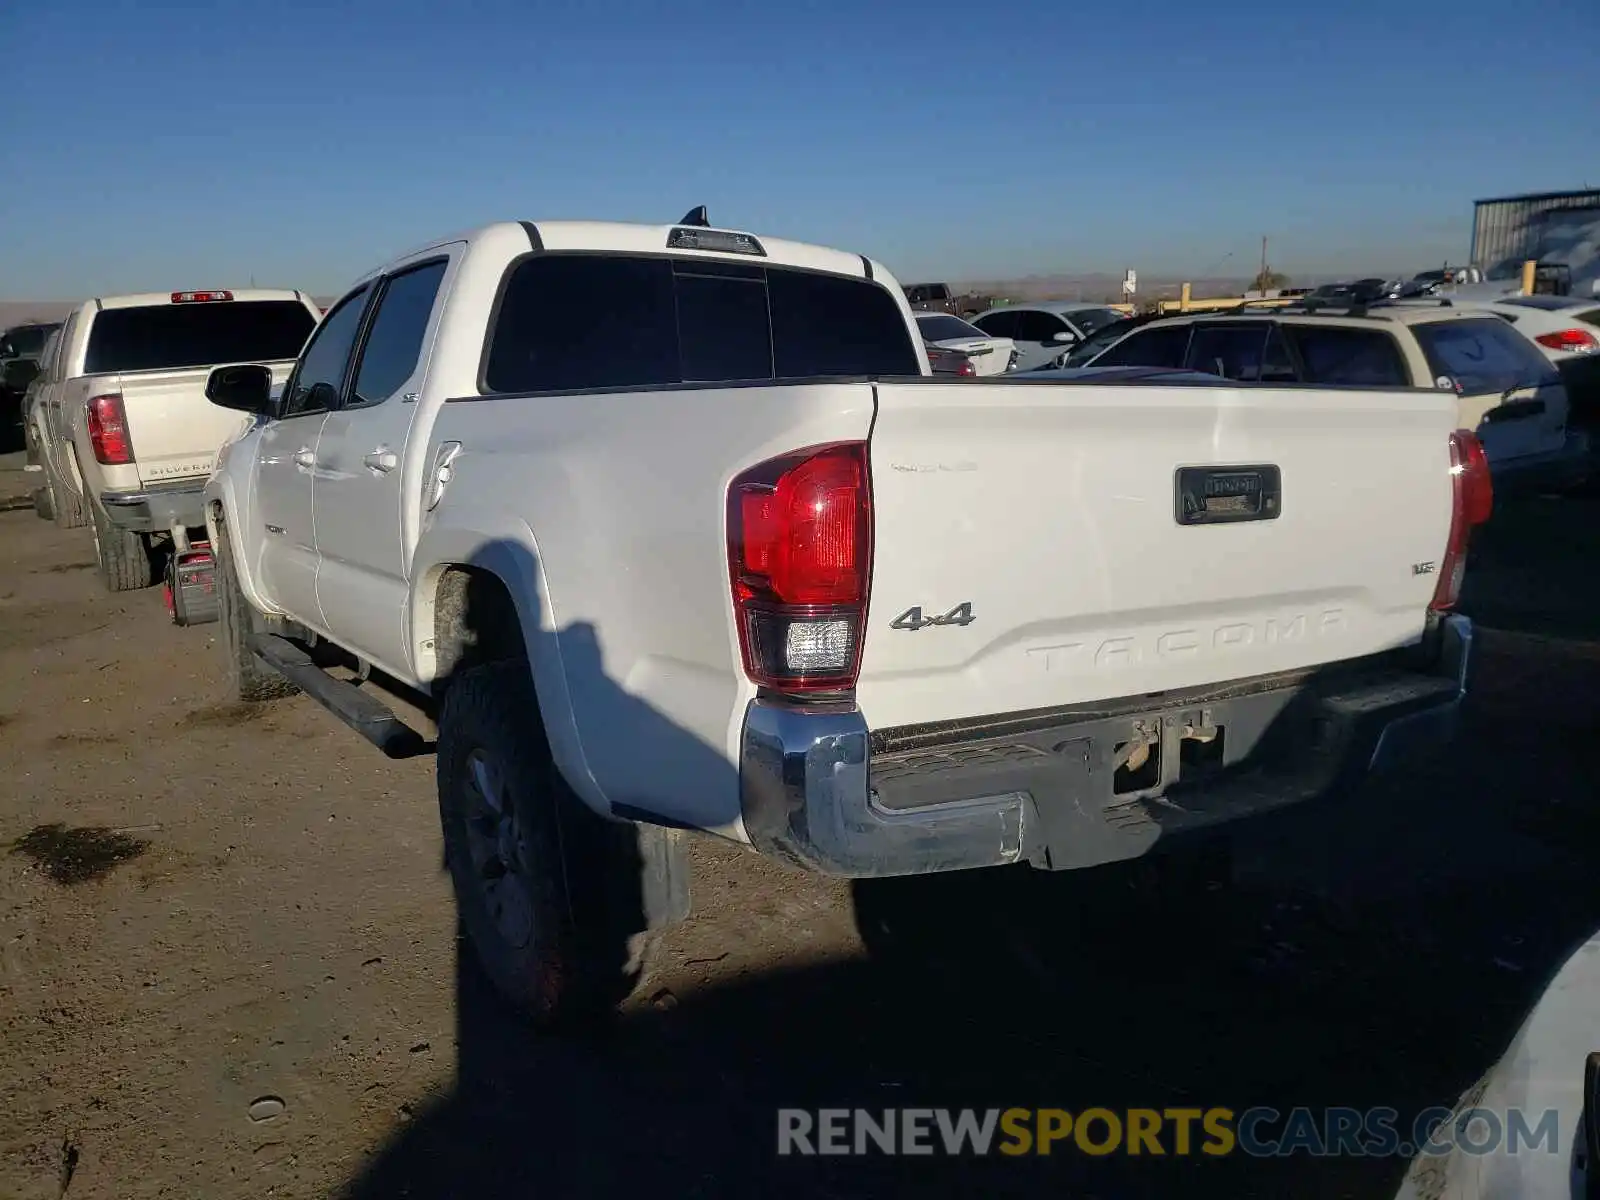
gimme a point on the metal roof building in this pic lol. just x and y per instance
(1553, 226)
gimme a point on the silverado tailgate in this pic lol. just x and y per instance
(1038, 523)
(174, 429)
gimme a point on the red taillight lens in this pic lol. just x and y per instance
(108, 431)
(1574, 341)
(799, 560)
(199, 297)
(968, 369)
(1472, 500)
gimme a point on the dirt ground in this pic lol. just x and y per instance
(249, 984)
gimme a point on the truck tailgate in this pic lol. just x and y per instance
(1037, 524)
(175, 430)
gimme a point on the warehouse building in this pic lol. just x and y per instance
(1552, 227)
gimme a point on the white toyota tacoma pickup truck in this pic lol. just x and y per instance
(675, 530)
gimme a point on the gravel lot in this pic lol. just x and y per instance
(260, 991)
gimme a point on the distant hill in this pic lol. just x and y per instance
(21, 312)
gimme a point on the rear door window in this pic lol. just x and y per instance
(999, 324)
(1335, 355)
(166, 337)
(1156, 346)
(1232, 351)
(1482, 355)
(578, 322)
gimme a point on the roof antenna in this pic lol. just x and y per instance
(696, 216)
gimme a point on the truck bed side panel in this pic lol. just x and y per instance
(626, 493)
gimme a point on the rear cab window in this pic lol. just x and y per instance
(569, 322)
(165, 337)
(1480, 355)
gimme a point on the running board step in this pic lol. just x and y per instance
(355, 706)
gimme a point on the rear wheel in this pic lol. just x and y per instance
(249, 679)
(67, 508)
(123, 555)
(536, 873)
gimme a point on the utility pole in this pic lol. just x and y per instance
(1262, 278)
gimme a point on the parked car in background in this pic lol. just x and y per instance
(937, 297)
(20, 349)
(951, 362)
(31, 413)
(484, 436)
(1567, 330)
(1509, 393)
(126, 436)
(1085, 351)
(1045, 332)
(989, 355)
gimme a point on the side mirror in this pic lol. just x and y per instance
(245, 388)
(1064, 337)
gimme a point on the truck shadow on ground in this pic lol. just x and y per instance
(1380, 950)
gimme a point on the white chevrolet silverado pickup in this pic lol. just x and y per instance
(125, 436)
(675, 531)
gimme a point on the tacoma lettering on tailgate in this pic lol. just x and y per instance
(1126, 651)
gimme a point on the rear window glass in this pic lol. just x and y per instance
(569, 322)
(1481, 355)
(1352, 357)
(170, 336)
(944, 329)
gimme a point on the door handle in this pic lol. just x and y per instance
(382, 460)
(305, 459)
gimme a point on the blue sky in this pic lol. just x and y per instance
(156, 145)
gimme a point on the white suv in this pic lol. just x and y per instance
(1511, 395)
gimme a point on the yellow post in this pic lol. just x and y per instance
(1529, 269)
(1183, 299)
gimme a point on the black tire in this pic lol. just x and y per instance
(68, 509)
(249, 679)
(552, 929)
(123, 555)
(43, 507)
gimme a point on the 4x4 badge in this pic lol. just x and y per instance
(912, 618)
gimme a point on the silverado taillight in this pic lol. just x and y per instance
(1471, 502)
(800, 562)
(108, 430)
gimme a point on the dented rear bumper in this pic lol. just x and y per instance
(821, 790)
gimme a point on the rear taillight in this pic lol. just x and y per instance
(108, 430)
(799, 560)
(1472, 500)
(200, 297)
(1573, 341)
(967, 368)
